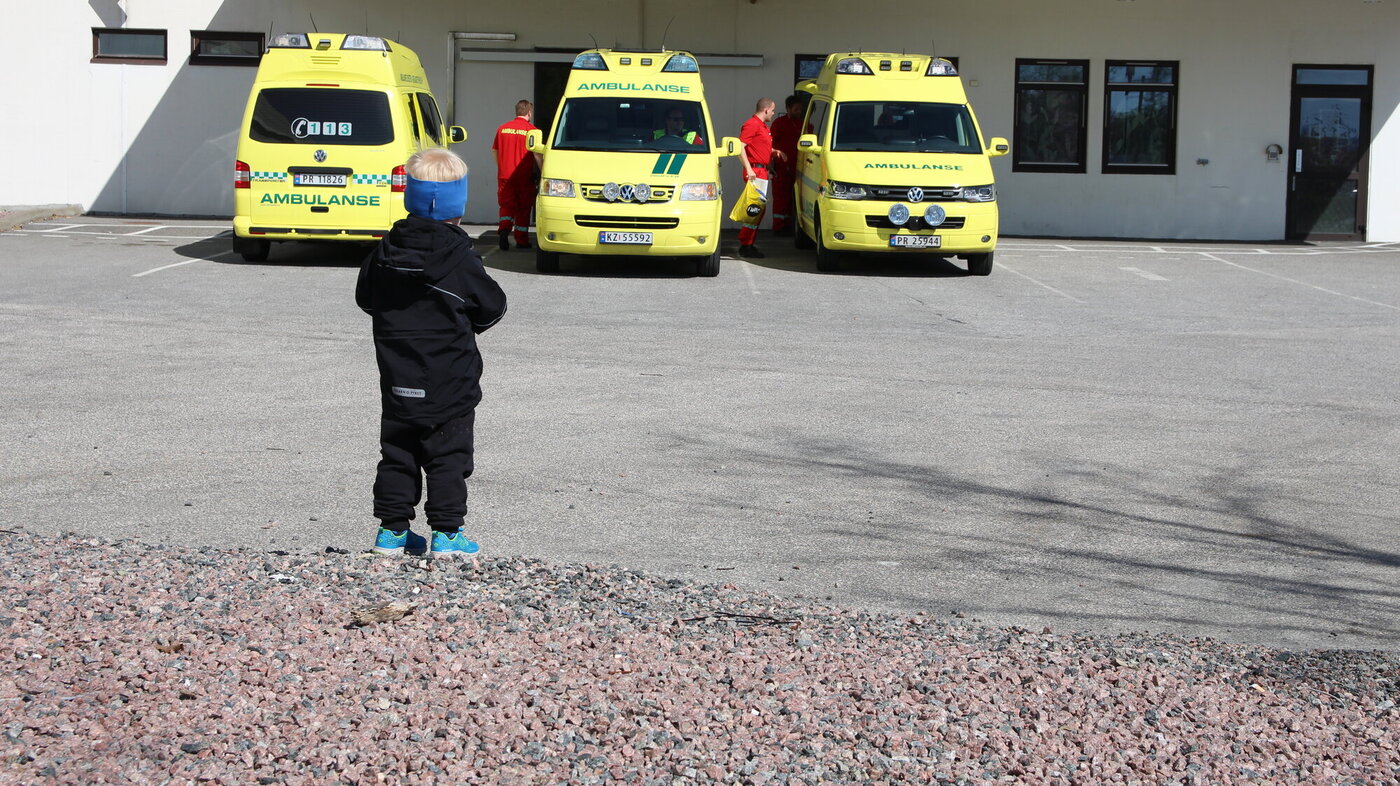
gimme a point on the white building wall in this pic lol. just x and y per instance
(160, 139)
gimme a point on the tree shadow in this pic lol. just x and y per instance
(1102, 546)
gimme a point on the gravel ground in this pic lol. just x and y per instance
(135, 664)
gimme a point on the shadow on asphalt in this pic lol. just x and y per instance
(1215, 545)
(291, 254)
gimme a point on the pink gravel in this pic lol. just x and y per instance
(136, 664)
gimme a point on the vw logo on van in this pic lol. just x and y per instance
(319, 155)
(627, 193)
(916, 194)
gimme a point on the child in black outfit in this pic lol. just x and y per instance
(429, 295)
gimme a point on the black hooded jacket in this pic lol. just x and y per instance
(429, 295)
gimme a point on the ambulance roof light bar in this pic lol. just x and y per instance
(940, 67)
(854, 65)
(683, 64)
(590, 61)
(290, 41)
(370, 42)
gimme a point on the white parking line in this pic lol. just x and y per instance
(1301, 283)
(58, 228)
(144, 231)
(1144, 274)
(1038, 283)
(164, 267)
(748, 273)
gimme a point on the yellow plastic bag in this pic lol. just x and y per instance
(751, 200)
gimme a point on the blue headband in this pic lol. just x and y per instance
(435, 199)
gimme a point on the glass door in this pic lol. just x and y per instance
(1329, 139)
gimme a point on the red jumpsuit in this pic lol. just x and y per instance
(515, 180)
(758, 147)
(786, 129)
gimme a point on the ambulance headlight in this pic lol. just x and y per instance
(934, 215)
(979, 193)
(290, 41)
(611, 191)
(899, 214)
(641, 192)
(699, 192)
(838, 190)
(556, 188)
(370, 42)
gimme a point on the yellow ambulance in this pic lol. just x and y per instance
(329, 123)
(892, 159)
(631, 165)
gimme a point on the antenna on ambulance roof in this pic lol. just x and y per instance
(667, 30)
(595, 41)
(313, 22)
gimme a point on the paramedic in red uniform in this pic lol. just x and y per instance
(786, 130)
(515, 176)
(755, 154)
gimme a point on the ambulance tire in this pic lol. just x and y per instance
(252, 249)
(979, 264)
(827, 260)
(708, 267)
(800, 240)
(546, 261)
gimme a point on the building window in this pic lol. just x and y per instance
(210, 47)
(1051, 116)
(807, 67)
(117, 45)
(1139, 117)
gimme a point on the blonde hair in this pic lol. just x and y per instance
(437, 165)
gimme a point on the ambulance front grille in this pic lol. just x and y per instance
(628, 222)
(594, 192)
(901, 193)
(915, 222)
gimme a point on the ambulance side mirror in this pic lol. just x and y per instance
(808, 142)
(534, 141)
(729, 146)
(998, 147)
(456, 134)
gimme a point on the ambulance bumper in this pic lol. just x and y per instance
(863, 226)
(694, 232)
(244, 228)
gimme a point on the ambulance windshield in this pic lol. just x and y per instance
(321, 116)
(905, 127)
(646, 125)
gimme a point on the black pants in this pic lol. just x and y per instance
(408, 452)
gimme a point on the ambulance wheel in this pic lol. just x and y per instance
(546, 261)
(827, 260)
(251, 249)
(800, 239)
(708, 267)
(979, 264)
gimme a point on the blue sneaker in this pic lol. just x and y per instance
(453, 544)
(396, 544)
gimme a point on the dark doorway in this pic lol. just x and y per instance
(550, 81)
(1329, 139)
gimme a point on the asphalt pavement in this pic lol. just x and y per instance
(1200, 438)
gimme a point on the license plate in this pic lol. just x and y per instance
(626, 238)
(916, 241)
(318, 180)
